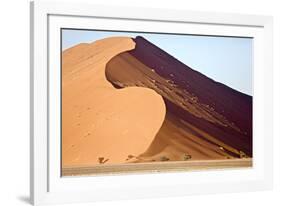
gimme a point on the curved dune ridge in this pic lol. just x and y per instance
(125, 100)
(204, 119)
(102, 124)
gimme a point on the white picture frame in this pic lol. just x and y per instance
(47, 186)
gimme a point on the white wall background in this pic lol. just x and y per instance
(14, 100)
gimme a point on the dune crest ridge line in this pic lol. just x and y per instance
(102, 124)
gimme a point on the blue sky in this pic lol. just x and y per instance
(224, 59)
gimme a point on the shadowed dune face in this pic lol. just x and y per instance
(102, 124)
(204, 119)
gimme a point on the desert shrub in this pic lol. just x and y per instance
(101, 160)
(130, 156)
(242, 154)
(187, 157)
(164, 158)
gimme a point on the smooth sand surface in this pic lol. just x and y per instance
(102, 124)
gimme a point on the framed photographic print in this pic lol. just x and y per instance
(126, 105)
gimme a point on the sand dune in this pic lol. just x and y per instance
(125, 100)
(204, 120)
(102, 124)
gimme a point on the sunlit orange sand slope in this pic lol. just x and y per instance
(126, 100)
(102, 124)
